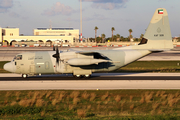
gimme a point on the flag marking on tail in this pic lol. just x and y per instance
(160, 11)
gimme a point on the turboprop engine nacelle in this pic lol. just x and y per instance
(85, 61)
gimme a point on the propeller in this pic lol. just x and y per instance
(53, 48)
(56, 55)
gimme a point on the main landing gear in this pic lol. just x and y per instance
(82, 76)
(24, 76)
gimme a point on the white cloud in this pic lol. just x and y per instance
(5, 5)
(162, 0)
(104, 1)
(13, 14)
(89, 18)
(57, 9)
(107, 4)
(99, 17)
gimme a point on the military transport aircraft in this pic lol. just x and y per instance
(157, 38)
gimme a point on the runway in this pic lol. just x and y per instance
(100, 81)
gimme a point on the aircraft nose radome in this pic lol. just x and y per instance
(9, 67)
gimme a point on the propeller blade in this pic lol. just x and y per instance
(53, 48)
(57, 61)
(57, 56)
(57, 51)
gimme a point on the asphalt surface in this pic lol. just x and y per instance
(102, 81)
(92, 78)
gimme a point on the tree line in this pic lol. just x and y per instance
(115, 38)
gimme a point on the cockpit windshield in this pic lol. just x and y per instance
(18, 57)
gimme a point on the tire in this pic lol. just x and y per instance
(24, 76)
(77, 76)
(87, 76)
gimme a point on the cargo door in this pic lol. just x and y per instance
(18, 67)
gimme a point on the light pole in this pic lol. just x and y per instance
(81, 18)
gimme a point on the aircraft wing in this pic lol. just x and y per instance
(102, 58)
(90, 53)
(87, 52)
(158, 50)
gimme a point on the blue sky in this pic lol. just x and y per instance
(105, 14)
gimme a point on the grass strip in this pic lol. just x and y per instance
(101, 104)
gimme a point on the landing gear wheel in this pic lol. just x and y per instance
(24, 75)
(87, 76)
(77, 76)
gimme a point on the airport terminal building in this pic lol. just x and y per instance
(41, 36)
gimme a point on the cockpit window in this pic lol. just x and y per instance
(18, 57)
(14, 58)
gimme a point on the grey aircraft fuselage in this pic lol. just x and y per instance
(44, 63)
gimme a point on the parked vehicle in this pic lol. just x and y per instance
(23, 45)
(36, 45)
(16, 45)
(65, 45)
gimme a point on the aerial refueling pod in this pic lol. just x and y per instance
(85, 61)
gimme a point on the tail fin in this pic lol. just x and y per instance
(158, 33)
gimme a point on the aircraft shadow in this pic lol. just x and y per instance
(71, 78)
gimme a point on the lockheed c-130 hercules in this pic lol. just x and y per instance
(157, 38)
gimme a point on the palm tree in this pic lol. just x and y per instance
(122, 38)
(114, 37)
(142, 35)
(130, 31)
(96, 28)
(103, 36)
(112, 29)
(118, 36)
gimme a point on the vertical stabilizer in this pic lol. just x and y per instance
(158, 32)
